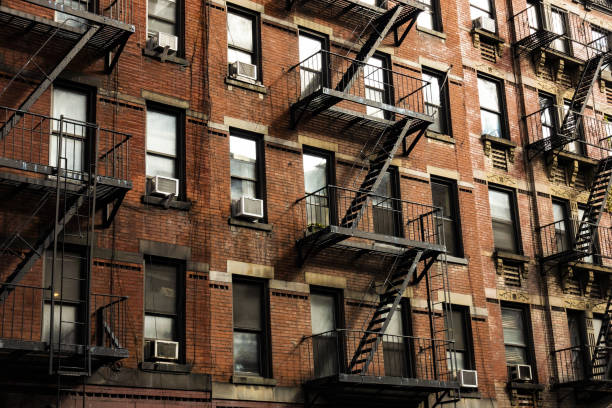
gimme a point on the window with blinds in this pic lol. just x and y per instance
(513, 324)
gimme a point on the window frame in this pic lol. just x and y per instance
(90, 117)
(525, 311)
(466, 320)
(260, 166)
(435, 13)
(396, 205)
(265, 369)
(514, 214)
(387, 90)
(79, 304)
(564, 204)
(491, 14)
(179, 318)
(179, 25)
(330, 158)
(444, 106)
(552, 111)
(452, 184)
(256, 34)
(503, 113)
(179, 159)
(566, 36)
(325, 46)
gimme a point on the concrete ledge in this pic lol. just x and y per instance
(166, 203)
(431, 32)
(253, 380)
(116, 255)
(164, 250)
(228, 391)
(130, 377)
(165, 367)
(168, 58)
(319, 279)
(164, 99)
(249, 269)
(248, 224)
(289, 286)
(246, 85)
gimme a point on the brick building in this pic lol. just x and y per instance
(274, 204)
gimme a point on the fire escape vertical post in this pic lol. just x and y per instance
(55, 234)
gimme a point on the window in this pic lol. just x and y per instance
(559, 26)
(325, 317)
(444, 196)
(588, 259)
(513, 324)
(548, 115)
(503, 219)
(576, 145)
(562, 232)
(163, 301)
(396, 345)
(462, 337)
(430, 17)
(73, 104)
(376, 83)
(317, 176)
(164, 143)
(245, 165)
(250, 328)
(312, 60)
(68, 278)
(600, 38)
(491, 107)
(162, 17)
(481, 8)
(386, 208)
(242, 37)
(436, 101)
(534, 16)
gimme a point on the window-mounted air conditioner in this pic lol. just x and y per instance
(249, 208)
(243, 70)
(468, 378)
(484, 23)
(162, 349)
(520, 372)
(164, 186)
(159, 41)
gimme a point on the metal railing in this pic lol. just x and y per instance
(575, 38)
(380, 215)
(574, 364)
(25, 316)
(32, 139)
(593, 136)
(381, 89)
(118, 10)
(560, 236)
(330, 353)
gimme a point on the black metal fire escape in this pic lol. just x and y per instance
(101, 30)
(405, 269)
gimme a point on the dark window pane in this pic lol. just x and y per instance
(441, 195)
(67, 279)
(247, 352)
(322, 313)
(503, 236)
(459, 329)
(247, 306)
(160, 288)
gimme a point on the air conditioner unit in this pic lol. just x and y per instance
(250, 208)
(520, 372)
(243, 70)
(468, 378)
(484, 23)
(164, 186)
(162, 349)
(159, 41)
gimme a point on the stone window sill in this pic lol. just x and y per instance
(509, 256)
(163, 367)
(499, 141)
(431, 32)
(438, 136)
(256, 87)
(248, 224)
(166, 202)
(164, 57)
(456, 260)
(253, 380)
(489, 36)
(513, 385)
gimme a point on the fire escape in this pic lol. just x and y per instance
(368, 365)
(573, 130)
(61, 179)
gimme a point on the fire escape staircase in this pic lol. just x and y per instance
(35, 251)
(601, 360)
(571, 122)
